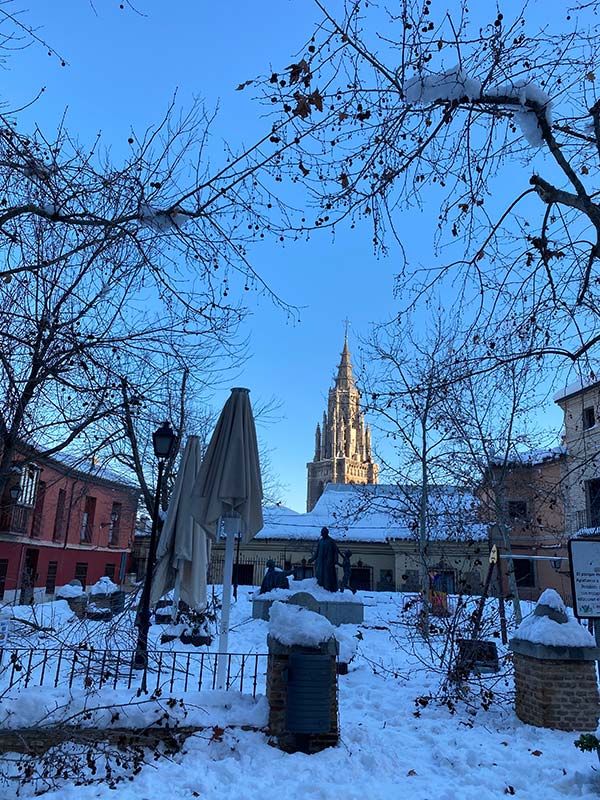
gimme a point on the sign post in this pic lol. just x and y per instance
(584, 562)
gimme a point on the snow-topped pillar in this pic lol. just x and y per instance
(301, 679)
(555, 671)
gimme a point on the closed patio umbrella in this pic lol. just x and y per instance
(182, 547)
(229, 488)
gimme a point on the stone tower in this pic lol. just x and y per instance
(342, 442)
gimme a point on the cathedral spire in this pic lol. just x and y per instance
(342, 443)
(345, 378)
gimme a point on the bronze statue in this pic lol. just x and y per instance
(325, 558)
(274, 579)
(345, 582)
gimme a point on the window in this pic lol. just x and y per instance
(51, 577)
(524, 572)
(87, 519)
(3, 571)
(109, 571)
(589, 418)
(81, 570)
(59, 519)
(29, 480)
(115, 523)
(517, 509)
(38, 511)
(303, 570)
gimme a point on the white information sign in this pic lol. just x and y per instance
(4, 631)
(584, 555)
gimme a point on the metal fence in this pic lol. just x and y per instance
(249, 570)
(166, 671)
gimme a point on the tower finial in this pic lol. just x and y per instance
(347, 323)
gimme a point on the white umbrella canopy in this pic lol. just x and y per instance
(182, 547)
(229, 481)
(229, 487)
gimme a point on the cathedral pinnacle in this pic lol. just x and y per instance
(345, 378)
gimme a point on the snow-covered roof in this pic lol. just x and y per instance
(540, 455)
(378, 513)
(574, 388)
(88, 466)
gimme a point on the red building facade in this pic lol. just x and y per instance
(57, 523)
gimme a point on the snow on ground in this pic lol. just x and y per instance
(390, 746)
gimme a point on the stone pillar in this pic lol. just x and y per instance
(278, 685)
(555, 670)
(556, 687)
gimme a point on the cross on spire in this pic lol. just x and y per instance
(347, 323)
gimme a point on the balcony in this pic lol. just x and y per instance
(15, 519)
(585, 519)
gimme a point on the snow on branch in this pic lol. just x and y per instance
(453, 85)
(450, 85)
(162, 221)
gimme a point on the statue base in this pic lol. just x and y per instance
(338, 612)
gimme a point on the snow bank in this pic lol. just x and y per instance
(122, 708)
(104, 586)
(291, 624)
(69, 591)
(311, 586)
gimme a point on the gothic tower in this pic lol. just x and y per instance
(342, 443)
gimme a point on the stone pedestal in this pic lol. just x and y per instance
(115, 601)
(556, 687)
(294, 734)
(337, 612)
(77, 604)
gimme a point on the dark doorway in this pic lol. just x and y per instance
(243, 574)
(28, 576)
(360, 578)
(524, 572)
(593, 502)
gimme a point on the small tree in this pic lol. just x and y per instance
(406, 384)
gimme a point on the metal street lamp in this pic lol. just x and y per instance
(163, 440)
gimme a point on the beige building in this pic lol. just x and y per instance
(529, 499)
(581, 480)
(377, 525)
(342, 441)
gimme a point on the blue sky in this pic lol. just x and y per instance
(123, 68)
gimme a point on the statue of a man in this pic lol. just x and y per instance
(325, 558)
(274, 579)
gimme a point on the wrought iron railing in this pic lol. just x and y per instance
(166, 671)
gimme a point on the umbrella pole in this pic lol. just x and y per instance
(237, 567)
(176, 596)
(226, 606)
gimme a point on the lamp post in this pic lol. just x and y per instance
(163, 440)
